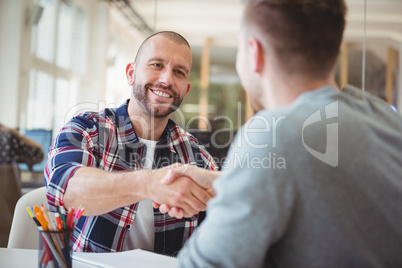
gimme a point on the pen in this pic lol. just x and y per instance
(63, 217)
(32, 216)
(51, 226)
(62, 214)
(82, 212)
(40, 217)
(44, 259)
(58, 221)
(71, 220)
(78, 215)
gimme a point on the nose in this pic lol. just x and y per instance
(166, 77)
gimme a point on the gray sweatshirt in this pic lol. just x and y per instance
(315, 184)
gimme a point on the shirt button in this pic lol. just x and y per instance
(128, 227)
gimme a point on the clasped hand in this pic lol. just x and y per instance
(184, 191)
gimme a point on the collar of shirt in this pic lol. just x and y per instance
(124, 125)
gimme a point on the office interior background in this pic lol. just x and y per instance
(62, 57)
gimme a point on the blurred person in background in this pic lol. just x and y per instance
(14, 149)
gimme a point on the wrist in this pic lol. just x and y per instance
(144, 180)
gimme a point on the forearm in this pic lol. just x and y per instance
(100, 192)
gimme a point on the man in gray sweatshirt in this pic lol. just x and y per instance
(314, 179)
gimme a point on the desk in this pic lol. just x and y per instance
(27, 258)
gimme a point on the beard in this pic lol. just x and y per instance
(157, 110)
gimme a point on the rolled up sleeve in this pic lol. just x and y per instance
(73, 147)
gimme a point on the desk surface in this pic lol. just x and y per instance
(26, 258)
(12, 257)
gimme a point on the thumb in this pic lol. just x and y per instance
(169, 177)
(174, 173)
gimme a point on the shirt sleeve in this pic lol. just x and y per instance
(73, 147)
(249, 214)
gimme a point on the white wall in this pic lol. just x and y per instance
(93, 87)
(11, 24)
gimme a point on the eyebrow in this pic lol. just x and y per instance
(184, 68)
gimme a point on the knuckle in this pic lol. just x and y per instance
(201, 207)
(181, 195)
(185, 181)
(178, 198)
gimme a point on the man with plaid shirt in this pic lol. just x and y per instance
(111, 162)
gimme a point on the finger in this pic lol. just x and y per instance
(191, 198)
(202, 196)
(188, 215)
(164, 208)
(201, 176)
(188, 210)
(176, 165)
(180, 214)
(176, 212)
(155, 205)
(177, 170)
(193, 206)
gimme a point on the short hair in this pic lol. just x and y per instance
(173, 36)
(304, 35)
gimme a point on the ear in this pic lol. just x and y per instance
(257, 54)
(130, 73)
(188, 88)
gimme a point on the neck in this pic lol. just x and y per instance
(145, 126)
(280, 92)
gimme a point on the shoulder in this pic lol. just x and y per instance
(91, 119)
(272, 137)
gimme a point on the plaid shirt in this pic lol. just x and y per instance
(107, 141)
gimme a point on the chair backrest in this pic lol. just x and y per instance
(24, 232)
(10, 192)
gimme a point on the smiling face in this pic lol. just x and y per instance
(160, 76)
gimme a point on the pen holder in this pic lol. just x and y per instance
(55, 249)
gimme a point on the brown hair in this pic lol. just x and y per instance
(173, 36)
(304, 35)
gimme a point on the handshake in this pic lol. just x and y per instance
(184, 190)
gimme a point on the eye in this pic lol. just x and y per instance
(158, 65)
(181, 73)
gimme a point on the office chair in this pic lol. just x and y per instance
(24, 232)
(10, 192)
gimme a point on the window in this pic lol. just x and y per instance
(58, 47)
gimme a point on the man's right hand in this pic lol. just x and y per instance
(202, 177)
(181, 192)
(111, 190)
